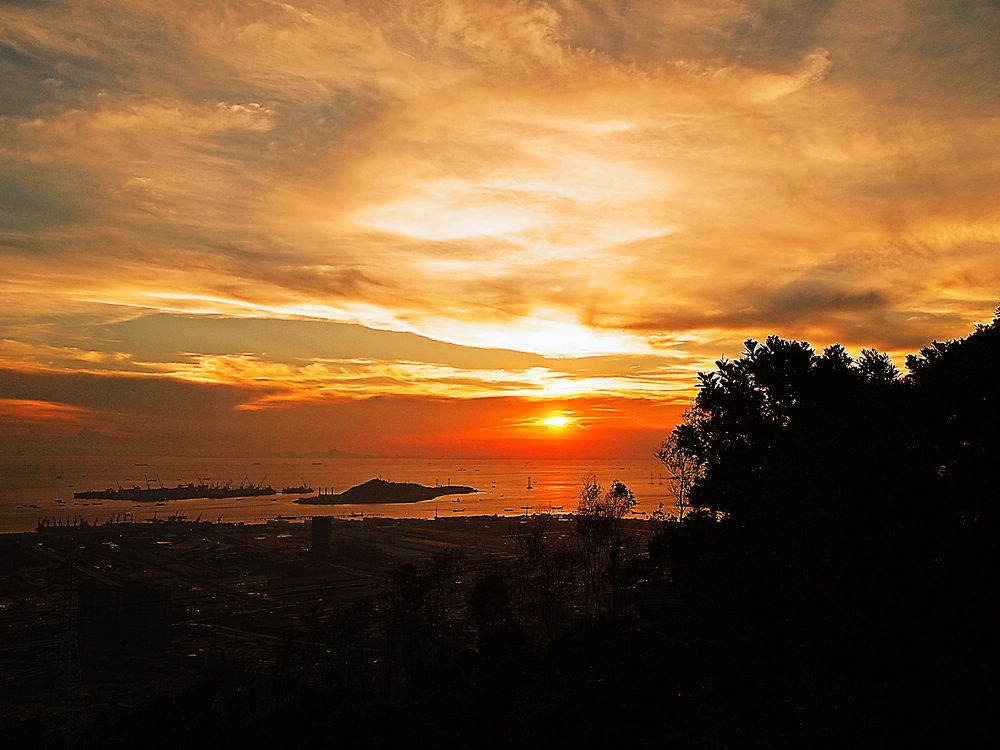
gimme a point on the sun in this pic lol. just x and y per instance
(555, 421)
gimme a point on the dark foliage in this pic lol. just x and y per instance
(959, 418)
(838, 578)
(782, 431)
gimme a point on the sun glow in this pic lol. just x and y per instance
(555, 421)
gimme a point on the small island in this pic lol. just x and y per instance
(381, 491)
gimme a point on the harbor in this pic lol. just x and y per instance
(44, 489)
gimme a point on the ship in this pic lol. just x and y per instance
(188, 491)
(302, 489)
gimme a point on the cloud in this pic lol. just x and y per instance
(162, 415)
(17, 412)
(541, 191)
(277, 362)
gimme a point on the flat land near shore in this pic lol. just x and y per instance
(149, 604)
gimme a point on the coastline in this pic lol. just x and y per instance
(39, 489)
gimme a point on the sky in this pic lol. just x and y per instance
(422, 228)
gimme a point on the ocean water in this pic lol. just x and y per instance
(38, 488)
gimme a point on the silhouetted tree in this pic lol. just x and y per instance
(602, 542)
(442, 574)
(489, 602)
(489, 605)
(770, 430)
(956, 385)
(683, 470)
(403, 592)
(855, 504)
(589, 544)
(417, 613)
(540, 575)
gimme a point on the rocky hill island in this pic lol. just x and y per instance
(381, 491)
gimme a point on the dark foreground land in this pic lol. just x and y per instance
(489, 632)
(221, 635)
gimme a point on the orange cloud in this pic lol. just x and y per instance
(17, 413)
(652, 181)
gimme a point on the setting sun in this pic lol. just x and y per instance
(518, 225)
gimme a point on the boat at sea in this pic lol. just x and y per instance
(302, 489)
(188, 491)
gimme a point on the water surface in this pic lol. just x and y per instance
(49, 484)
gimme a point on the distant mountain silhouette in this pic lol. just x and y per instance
(333, 453)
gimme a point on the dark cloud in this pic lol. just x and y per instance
(162, 338)
(29, 202)
(28, 82)
(125, 396)
(802, 299)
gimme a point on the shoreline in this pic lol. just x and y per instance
(45, 491)
(180, 522)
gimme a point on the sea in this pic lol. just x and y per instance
(37, 490)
